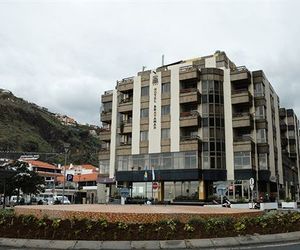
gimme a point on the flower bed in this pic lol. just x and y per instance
(29, 226)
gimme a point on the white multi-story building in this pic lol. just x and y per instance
(190, 125)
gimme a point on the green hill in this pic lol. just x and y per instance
(27, 127)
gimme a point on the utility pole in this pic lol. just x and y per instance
(66, 147)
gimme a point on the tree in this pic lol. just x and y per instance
(22, 178)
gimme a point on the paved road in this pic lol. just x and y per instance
(290, 246)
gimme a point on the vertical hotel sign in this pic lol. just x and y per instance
(155, 88)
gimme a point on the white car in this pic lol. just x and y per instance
(61, 200)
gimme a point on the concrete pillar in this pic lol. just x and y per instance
(202, 194)
(101, 193)
(161, 191)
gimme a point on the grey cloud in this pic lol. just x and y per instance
(64, 54)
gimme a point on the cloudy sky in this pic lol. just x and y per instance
(63, 54)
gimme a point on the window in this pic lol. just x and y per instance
(263, 161)
(260, 112)
(165, 87)
(205, 160)
(145, 113)
(291, 134)
(242, 160)
(107, 107)
(165, 110)
(166, 161)
(259, 89)
(144, 136)
(261, 136)
(190, 160)
(165, 133)
(145, 91)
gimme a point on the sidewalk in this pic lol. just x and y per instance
(214, 243)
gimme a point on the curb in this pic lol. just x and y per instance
(214, 243)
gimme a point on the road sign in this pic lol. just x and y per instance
(124, 192)
(251, 181)
(70, 177)
(154, 185)
(221, 189)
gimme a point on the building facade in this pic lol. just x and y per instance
(189, 126)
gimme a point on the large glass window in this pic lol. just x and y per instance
(104, 167)
(260, 112)
(190, 160)
(145, 91)
(165, 110)
(145, 113)
(165, 87)
(259, 89)
(263, 161)
(261, 136)
(166, 161)
(242, 160)
(144, 136)
(165, 133)
(107, 107)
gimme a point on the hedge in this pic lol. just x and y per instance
(29, 226)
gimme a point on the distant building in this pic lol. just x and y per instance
(48, 171)
(66, 120)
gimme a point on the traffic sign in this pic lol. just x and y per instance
(70, 177)
(124, 192)
(221, 189)
(154, 185)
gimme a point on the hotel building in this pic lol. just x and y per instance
(191, 125)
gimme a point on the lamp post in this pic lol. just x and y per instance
(66, 147)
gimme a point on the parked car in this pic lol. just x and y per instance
(61, 200)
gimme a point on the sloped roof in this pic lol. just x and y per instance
(41, 164)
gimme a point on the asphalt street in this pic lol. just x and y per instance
(290, 246)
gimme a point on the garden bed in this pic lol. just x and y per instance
(29, 226)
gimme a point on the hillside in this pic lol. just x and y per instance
(27, 127)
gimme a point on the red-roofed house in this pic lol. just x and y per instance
(48, 171)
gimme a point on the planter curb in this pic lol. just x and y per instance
(216, 243)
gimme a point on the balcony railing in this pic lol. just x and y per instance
(189, 137)
(188, 90)
(108, 92)
(126, 143)
(187, 68)
(126, 100)
(104, 129)
(243, 138)
(242, 114)
(192, 113)
(125, 81)
(240, 69)
(239, 91)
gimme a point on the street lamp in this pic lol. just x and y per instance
(66, 147)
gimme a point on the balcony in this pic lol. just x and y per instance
(284, 141)
(189, 95)
(241, 96)
(242, 120)
(107, 97)
(240, 74)
(293, 155)
(125, 84)
(190, 143)
(104, 153)
(283, 126)
(124, 148)
(188, 72)
(189, 119)
(125, 127)
(125, 105)
(106, 116)
(243, 143)
(105, 134)
(282, 112)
